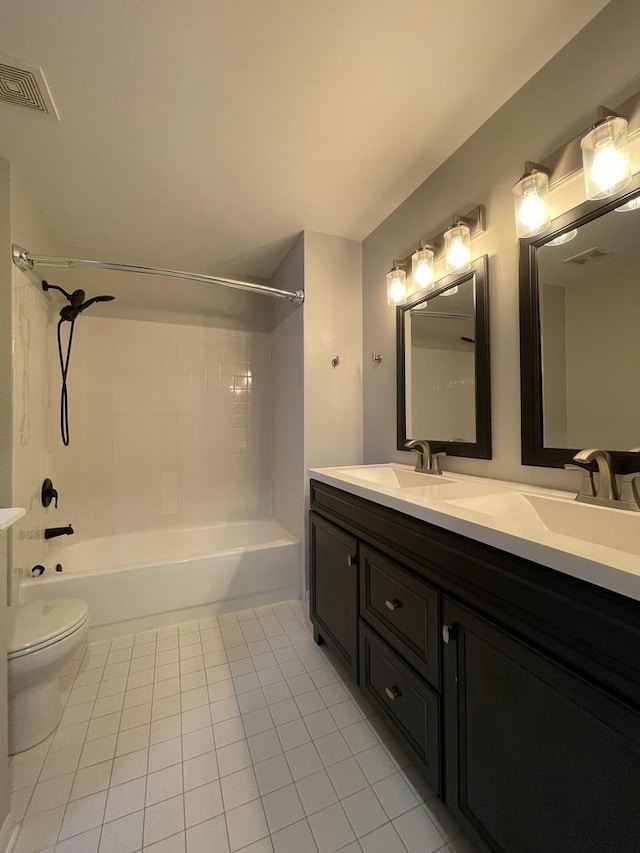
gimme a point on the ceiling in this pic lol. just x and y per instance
(205, 134)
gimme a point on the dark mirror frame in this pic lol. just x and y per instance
(534, 451)
(481, 448)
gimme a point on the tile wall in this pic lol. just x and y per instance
(169, 425)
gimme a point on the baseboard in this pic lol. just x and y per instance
(8, 834)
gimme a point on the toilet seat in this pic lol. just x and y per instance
(40, 624)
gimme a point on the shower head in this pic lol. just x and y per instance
(77, 303)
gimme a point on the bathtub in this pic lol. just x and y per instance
(138, 581)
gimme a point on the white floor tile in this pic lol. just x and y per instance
(200, 770)
(364, 812)
(90, 780)
(174, 844)
(246, 824)
(272, 774)
(320, 723)
(130, 766)
(234, 757)
(257, 721)
(165, 754)
(229, 731)
(316, 792)
(331, 829)
(239, 788)
(382, 840)
(359, 736)
(163, 820)
(87, 842)
(40, 830)
(296, 838)
(395, 795)
(125, 799)
(123, 835)
(197, 743)
(282, 808)
(52, 793)
(264, 745)
(164, 784)
(83, 814)
(165, 729)
(203, 803)
(293, 734)
(418, 833)
(332, 748)
(376, 763)
(208, 837)
(284, 712)
(303, 761)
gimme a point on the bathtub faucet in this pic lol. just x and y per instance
(52, 532)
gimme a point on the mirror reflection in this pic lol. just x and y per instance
(440, 366)
(589, 298)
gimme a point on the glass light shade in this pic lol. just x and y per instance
(563, 238)
(396, 286)
(632, 204)
(457, 248)
(422, 268)
(607, 168)
(531, 200)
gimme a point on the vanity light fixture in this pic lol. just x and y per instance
(601, 153)
(453, 244)
(422, 266)
(607, 168)
(457, 247)
(531, 200)
(396, 284)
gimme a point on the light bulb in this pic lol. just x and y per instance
(530, 196)
(457, 247)
(563, 238)
(396, 286)
(632, 204)
(607, 168)
(422, 267)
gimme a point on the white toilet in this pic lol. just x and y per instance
(42, 638)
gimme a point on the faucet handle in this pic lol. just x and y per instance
(587, 486)
(630, 489)
(435, 461)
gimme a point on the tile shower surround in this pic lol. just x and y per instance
(228, 734)
(170, 427)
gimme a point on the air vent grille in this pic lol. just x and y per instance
(24, 86)
(590, 256)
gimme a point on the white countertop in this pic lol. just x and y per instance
(607, 567)
(10, 516)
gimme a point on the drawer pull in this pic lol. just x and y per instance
(392, 692)
(393, 604)
(449, 633)
(351, 560)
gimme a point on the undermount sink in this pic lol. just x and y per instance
(396, 478)
(612, 528)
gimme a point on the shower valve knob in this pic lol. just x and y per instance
(48, 493)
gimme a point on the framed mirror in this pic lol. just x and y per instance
(444, 391)
(580, 334)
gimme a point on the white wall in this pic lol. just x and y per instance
(287, 399)
(599, 66)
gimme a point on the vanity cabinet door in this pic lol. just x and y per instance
(334, 589)
(537, 758)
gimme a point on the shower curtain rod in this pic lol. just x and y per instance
(25, 261)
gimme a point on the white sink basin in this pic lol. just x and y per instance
(612, 528)
(396, 478)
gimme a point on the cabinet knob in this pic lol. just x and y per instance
(392, 692)
(449, 632)
(351, 560)
(393, 604)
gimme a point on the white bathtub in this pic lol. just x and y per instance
(139, 580)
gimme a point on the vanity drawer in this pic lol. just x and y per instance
(404, 609)
(408, 705)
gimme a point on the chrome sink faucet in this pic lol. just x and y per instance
(606, 493)
(427, 462)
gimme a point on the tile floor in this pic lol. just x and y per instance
(234, 733)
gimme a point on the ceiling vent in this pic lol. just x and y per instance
(24, 86)
(590, 256)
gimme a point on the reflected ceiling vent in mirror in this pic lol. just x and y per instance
(591, 256)
(23, 85)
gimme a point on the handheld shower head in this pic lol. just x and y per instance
(93, 299)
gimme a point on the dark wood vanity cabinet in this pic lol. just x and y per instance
(334, 589)
(514, 688)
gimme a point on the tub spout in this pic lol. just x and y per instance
(52, 532)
